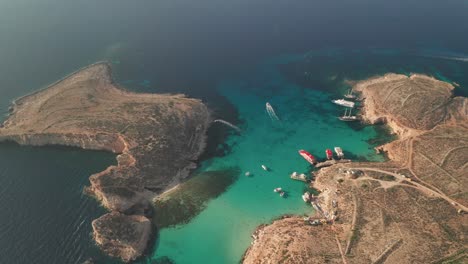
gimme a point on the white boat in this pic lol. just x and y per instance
(339, 152)
(343, 102)
(279, 189)
(282, 194)
(306, 197)
(350, 95)
(348, 117)
(299, 177)
(248, 174)
(265, 168)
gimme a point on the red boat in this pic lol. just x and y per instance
(307, 156)
(329, 154)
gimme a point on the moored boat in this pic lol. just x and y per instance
(329, 154)
(307, 156)
(339, 152)
(350, 95)
(347, 116)
(343, 102)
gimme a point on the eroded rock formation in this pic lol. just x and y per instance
(157, 138)
(411, 209)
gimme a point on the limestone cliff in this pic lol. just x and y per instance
(411, 209)
(157, 137)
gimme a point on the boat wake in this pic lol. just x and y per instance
(271, 112)
(227, 124)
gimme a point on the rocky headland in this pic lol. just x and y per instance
(156, 138)
(410, 209)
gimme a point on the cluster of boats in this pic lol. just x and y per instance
(348, 105)
(280, 191)
(312, 160)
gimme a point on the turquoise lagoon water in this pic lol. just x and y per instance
(221, 233)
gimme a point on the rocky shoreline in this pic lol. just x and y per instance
(411, 209)
(157, 139)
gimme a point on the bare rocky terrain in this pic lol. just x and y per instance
(157, 139)
(411, 209)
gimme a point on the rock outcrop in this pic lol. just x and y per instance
(121, 235)
(157, 137)
(411, 209)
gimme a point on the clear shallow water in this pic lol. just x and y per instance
(221, 233)
(194, 47)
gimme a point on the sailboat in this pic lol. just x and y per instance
(347, 116)
(350, 94)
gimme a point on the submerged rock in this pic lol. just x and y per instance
(124, 236)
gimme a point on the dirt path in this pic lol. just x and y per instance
(420, 187)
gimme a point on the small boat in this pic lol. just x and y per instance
(343, 102)
(348, 117)
(279, 189)
(299, 177)
(282, 194)
(339, 152)
(307, 156)
(248, 174)
(265, 168)
(271, 112)
(329, 154)
(350, 94)
(306, 197)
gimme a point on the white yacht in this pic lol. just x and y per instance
(343, 102)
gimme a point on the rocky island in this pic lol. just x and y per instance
(410, 209)
(157, 139)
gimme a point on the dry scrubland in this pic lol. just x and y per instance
(411, 209)
(156, 137)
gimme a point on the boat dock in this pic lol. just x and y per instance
(331, 162)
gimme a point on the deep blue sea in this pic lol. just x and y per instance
(235, 56)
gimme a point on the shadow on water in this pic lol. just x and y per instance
(190, 198)
(162, 260)
(384, 135)
(335, 72)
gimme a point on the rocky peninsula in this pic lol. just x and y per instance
(410, 209)
(157, 139)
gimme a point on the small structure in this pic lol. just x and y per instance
(353, 174)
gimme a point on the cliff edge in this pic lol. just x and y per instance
(157, 138)
(411, 209)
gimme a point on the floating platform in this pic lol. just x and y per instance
(331, 162)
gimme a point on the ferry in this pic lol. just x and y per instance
(339, 152)
(307, 156)
(343, 102)
(329, 154)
